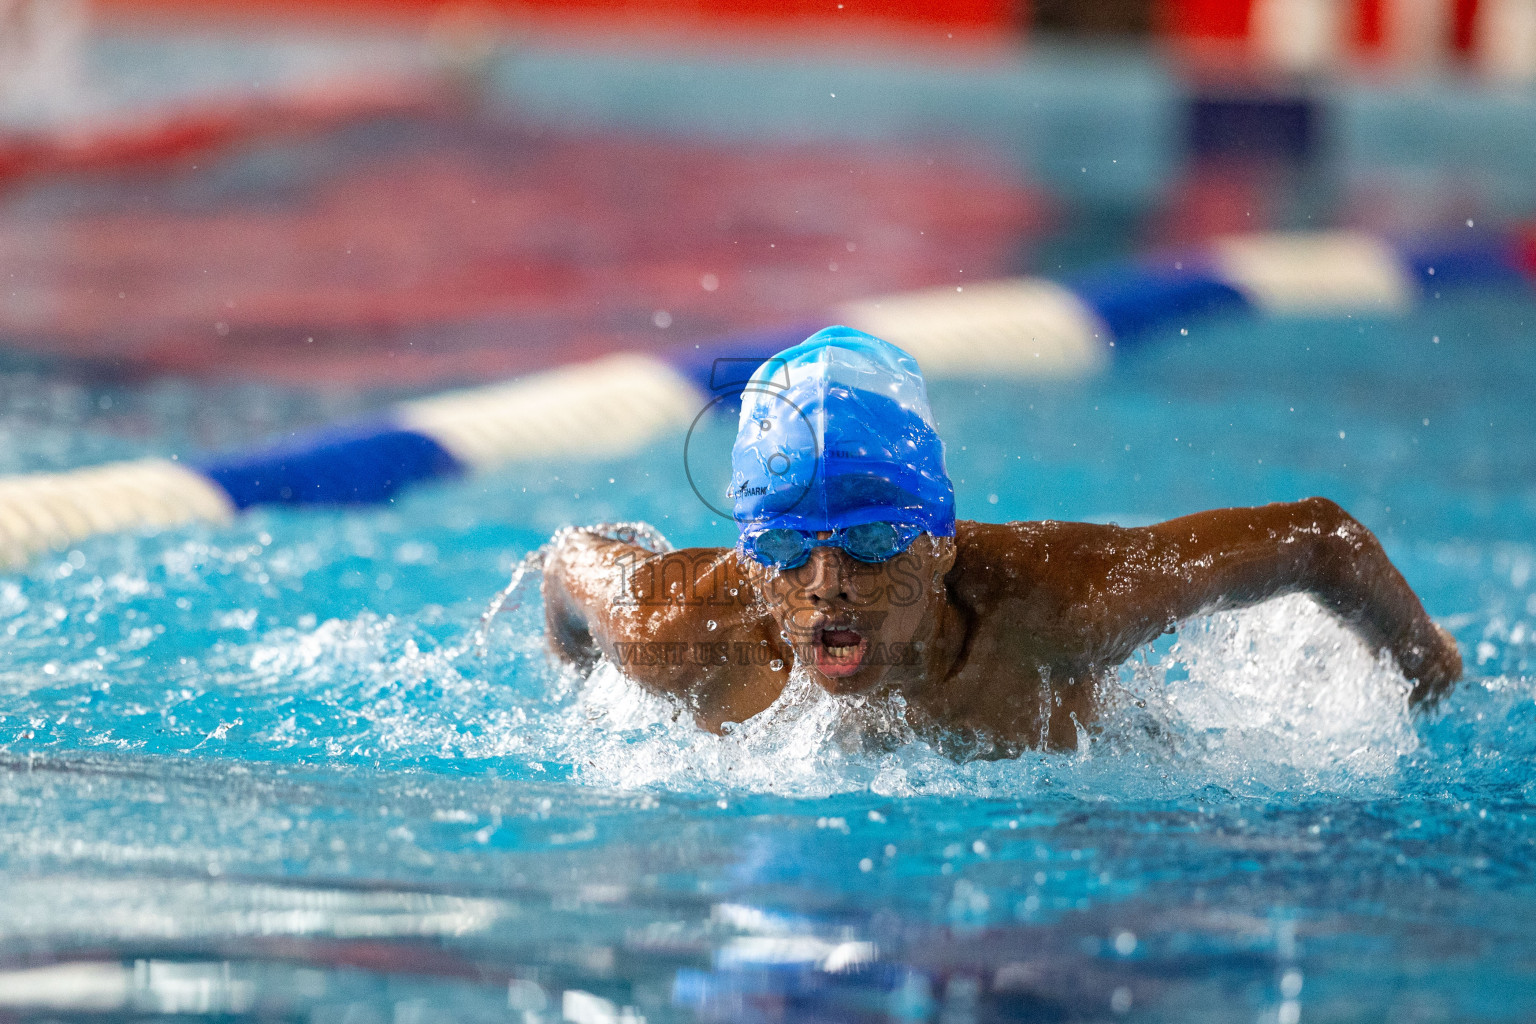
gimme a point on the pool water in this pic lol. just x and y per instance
(258, 772)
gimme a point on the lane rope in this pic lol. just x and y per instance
(1014, 329)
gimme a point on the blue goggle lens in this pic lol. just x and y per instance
(866, 542)
(784, 548)
(873, 542)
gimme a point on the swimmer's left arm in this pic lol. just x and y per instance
(1144, 581)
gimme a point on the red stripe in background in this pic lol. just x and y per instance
(122, 143)
(1370, 29)
(986, 17)
(1211, 20)
(1210, 38)
(417, 246)
(958, 13)
(1212, 198)
(1527, 244)
(1463, 23)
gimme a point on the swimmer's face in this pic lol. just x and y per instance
(855, 624)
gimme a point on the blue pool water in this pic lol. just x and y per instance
(256, 773)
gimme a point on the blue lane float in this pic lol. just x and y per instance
(1450, 263)
(361, 464)
(1138, 303)
(1025, 328)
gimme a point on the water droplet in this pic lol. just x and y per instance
(711, 625)
(776, 664)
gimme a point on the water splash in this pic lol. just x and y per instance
(532, 563)
(1278, 698)
(808, 743)
(509, 598)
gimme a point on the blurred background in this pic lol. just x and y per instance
(409, 194)
(254, 770)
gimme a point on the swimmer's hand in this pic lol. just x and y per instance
(1353, 576)
(1432, 664)
(570, 592)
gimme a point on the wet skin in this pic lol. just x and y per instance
(997, 639)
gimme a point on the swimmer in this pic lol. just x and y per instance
(851, 566)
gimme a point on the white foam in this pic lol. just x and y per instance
(1278, 697)
(1282, 696)
(626, 738)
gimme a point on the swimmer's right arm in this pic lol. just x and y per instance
(585, 595)
(664, 619)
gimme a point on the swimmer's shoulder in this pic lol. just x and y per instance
(698, 632)
(640, 590)
(695, 595)
(1037, 567)
(687, 577)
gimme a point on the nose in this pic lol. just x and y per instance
(826, 575)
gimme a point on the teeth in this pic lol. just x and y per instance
(840, 652)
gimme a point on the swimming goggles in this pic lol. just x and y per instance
(783, 548)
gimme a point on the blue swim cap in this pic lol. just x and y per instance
(835, 432)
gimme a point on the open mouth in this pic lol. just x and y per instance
(840, 652)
